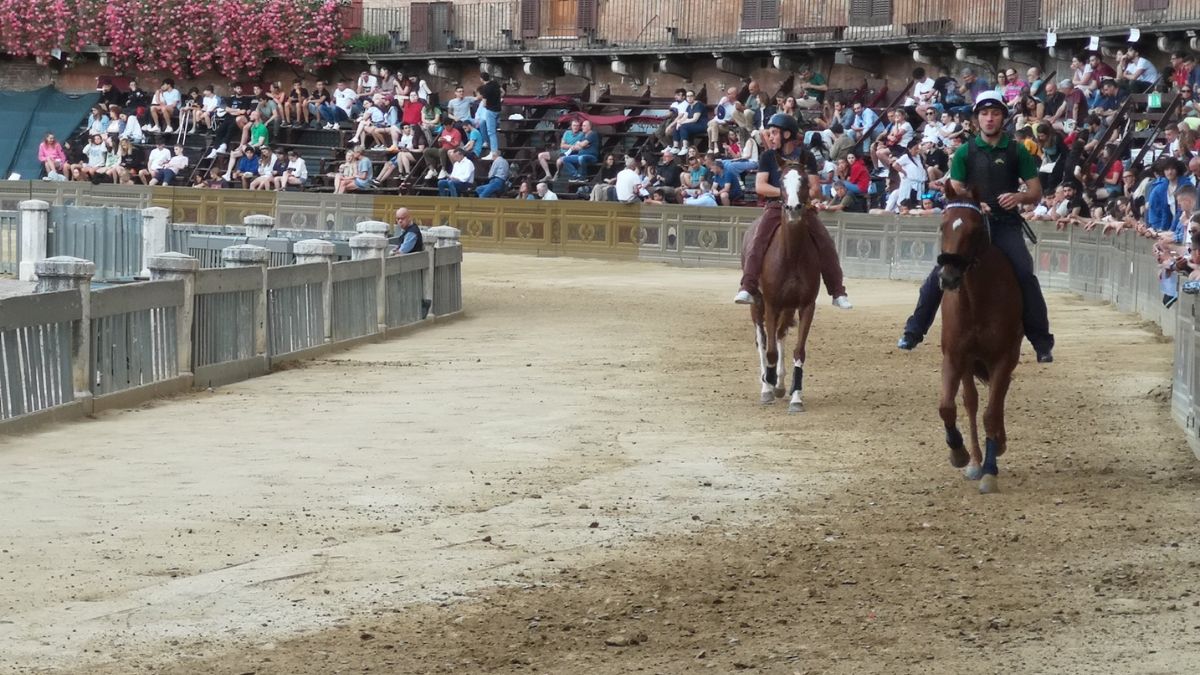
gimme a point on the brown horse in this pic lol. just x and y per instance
(790, 281)
(981, 333)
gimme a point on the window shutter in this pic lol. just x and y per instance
(587, 18)
(768, 13)
(419, 38)
(860, 12)
(531, 18)
(1012, 16)
(881, 12)
(751, 14)
(1031, 15)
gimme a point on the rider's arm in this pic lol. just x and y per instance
(763, 187)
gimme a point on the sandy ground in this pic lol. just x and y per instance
(577, 478)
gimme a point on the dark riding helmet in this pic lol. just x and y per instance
(989, 99)
(785, 122)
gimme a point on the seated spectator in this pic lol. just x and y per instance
(843, 200)
(52, 157)
(1162, 210)
(473, 140)
(295, 107)
(96, 153)
(366, 85)
(209, 102)
(295, 175)
(605, 179)
(696, 173)
(1029, 112)
(159, 157)
(269, 112)
(747, 159)
(174, 166)
(585, 153)
(569, 143)
(246, 168)
(813, 85)
(111, 171)
(431, 118)
(360, 173)
(189, 110)
(406, 148)
(545, 194)
(704, 196)
(858, 177)
(723, 117)
(437, 156)
(110, 95)
(1109, 101)
(693, 124)
(97, 121)
(388, 84)
(462, 175)
(163, 107)
(726, 186)
(255, 135)
(497, 179)
(676, 113)
(370, 123)
(524, 193)
(271, 165)
(1136, 70)
(338, 110)
(317, 100)
(137, 102)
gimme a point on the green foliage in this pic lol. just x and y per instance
(367, 43)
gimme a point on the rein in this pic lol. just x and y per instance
(957, 260)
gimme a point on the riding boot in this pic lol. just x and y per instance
(1010, 239)
(928, 301)
(756, 246)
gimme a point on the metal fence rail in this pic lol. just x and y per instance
(447, 280)
(405, 288)
(295, 307)
(36, 351)
(223, 322)
(10, 241)
(133, 335)
(109, 237)
(355, 308)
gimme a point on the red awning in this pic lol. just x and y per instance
(611, 120)
(540, 101)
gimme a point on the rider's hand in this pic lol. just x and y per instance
(1009, 200)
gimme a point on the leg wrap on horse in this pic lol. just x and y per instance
(756, 249)
(797, 378)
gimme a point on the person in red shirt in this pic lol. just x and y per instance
(859, 179)
(1101, 71)
(437, 155)
(1182, 63)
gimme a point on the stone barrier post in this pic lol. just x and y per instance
(369, 246)
(62, 273)
(170, 266)
(249, 255)
(35, 226)
(444, 236)
(258, 226)
(320, 251)
(156, 235)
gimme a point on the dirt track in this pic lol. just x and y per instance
(582, 460)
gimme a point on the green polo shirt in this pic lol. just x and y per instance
(1027, 166)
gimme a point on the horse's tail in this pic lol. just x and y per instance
(981, 371)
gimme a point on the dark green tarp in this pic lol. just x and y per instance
(26, 116)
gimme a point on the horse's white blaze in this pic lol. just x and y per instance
(791, 188)
(956, 224)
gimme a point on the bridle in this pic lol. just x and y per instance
(960, 261)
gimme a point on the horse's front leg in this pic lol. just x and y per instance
(971, 403)
(993, 427)
(765, 338)
(951, 376)
(781, 367)
(799, 355)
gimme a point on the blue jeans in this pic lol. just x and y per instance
(1010, 239)
(487, 122)
(852, 188)
(333, 114)
(451, 188)
(495, 186)
(576, 166)
(685, 131)
(739, 166)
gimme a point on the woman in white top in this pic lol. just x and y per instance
(97, 155)
(296, 174)
(405, 156)
(1081, 75)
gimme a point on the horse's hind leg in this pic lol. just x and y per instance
(798, 356)
(993, 425)
(973, 471)
(949, 412)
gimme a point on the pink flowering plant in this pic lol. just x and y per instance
(185, 38)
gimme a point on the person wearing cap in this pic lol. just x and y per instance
(783, 143)
(995, 165)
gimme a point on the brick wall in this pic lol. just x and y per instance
(23, 76)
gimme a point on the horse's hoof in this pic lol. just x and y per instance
(796, 407)
(973, 472)
(959, 457)
(768, 397)
(988, 484)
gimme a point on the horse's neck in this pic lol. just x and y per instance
(794, 235)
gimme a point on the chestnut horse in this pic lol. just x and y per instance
(981, 333)
(790, 281)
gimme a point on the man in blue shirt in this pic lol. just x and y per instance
(497, 179)
(726, 184)
(407, 237)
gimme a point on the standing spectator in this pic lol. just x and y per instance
(1162, 211)
(459, 107)
(693, 124)
(488, 115)
(1136, 70)
(722, 118)
(678, 110)
(163, 107)
(497, 180)
(296, 173)
(462, 175)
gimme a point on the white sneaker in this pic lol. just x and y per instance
(379, 148)
(442, 174)
(212, 155)
(430, 174)
(492, 156)
(153, 128)
(842, 302)
(221, 148)
(169, 130)
(743, 298)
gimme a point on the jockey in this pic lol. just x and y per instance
(783, 141)
(995, 164)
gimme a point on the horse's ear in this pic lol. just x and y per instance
(951, 195)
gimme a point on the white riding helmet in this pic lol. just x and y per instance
(989, 99)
